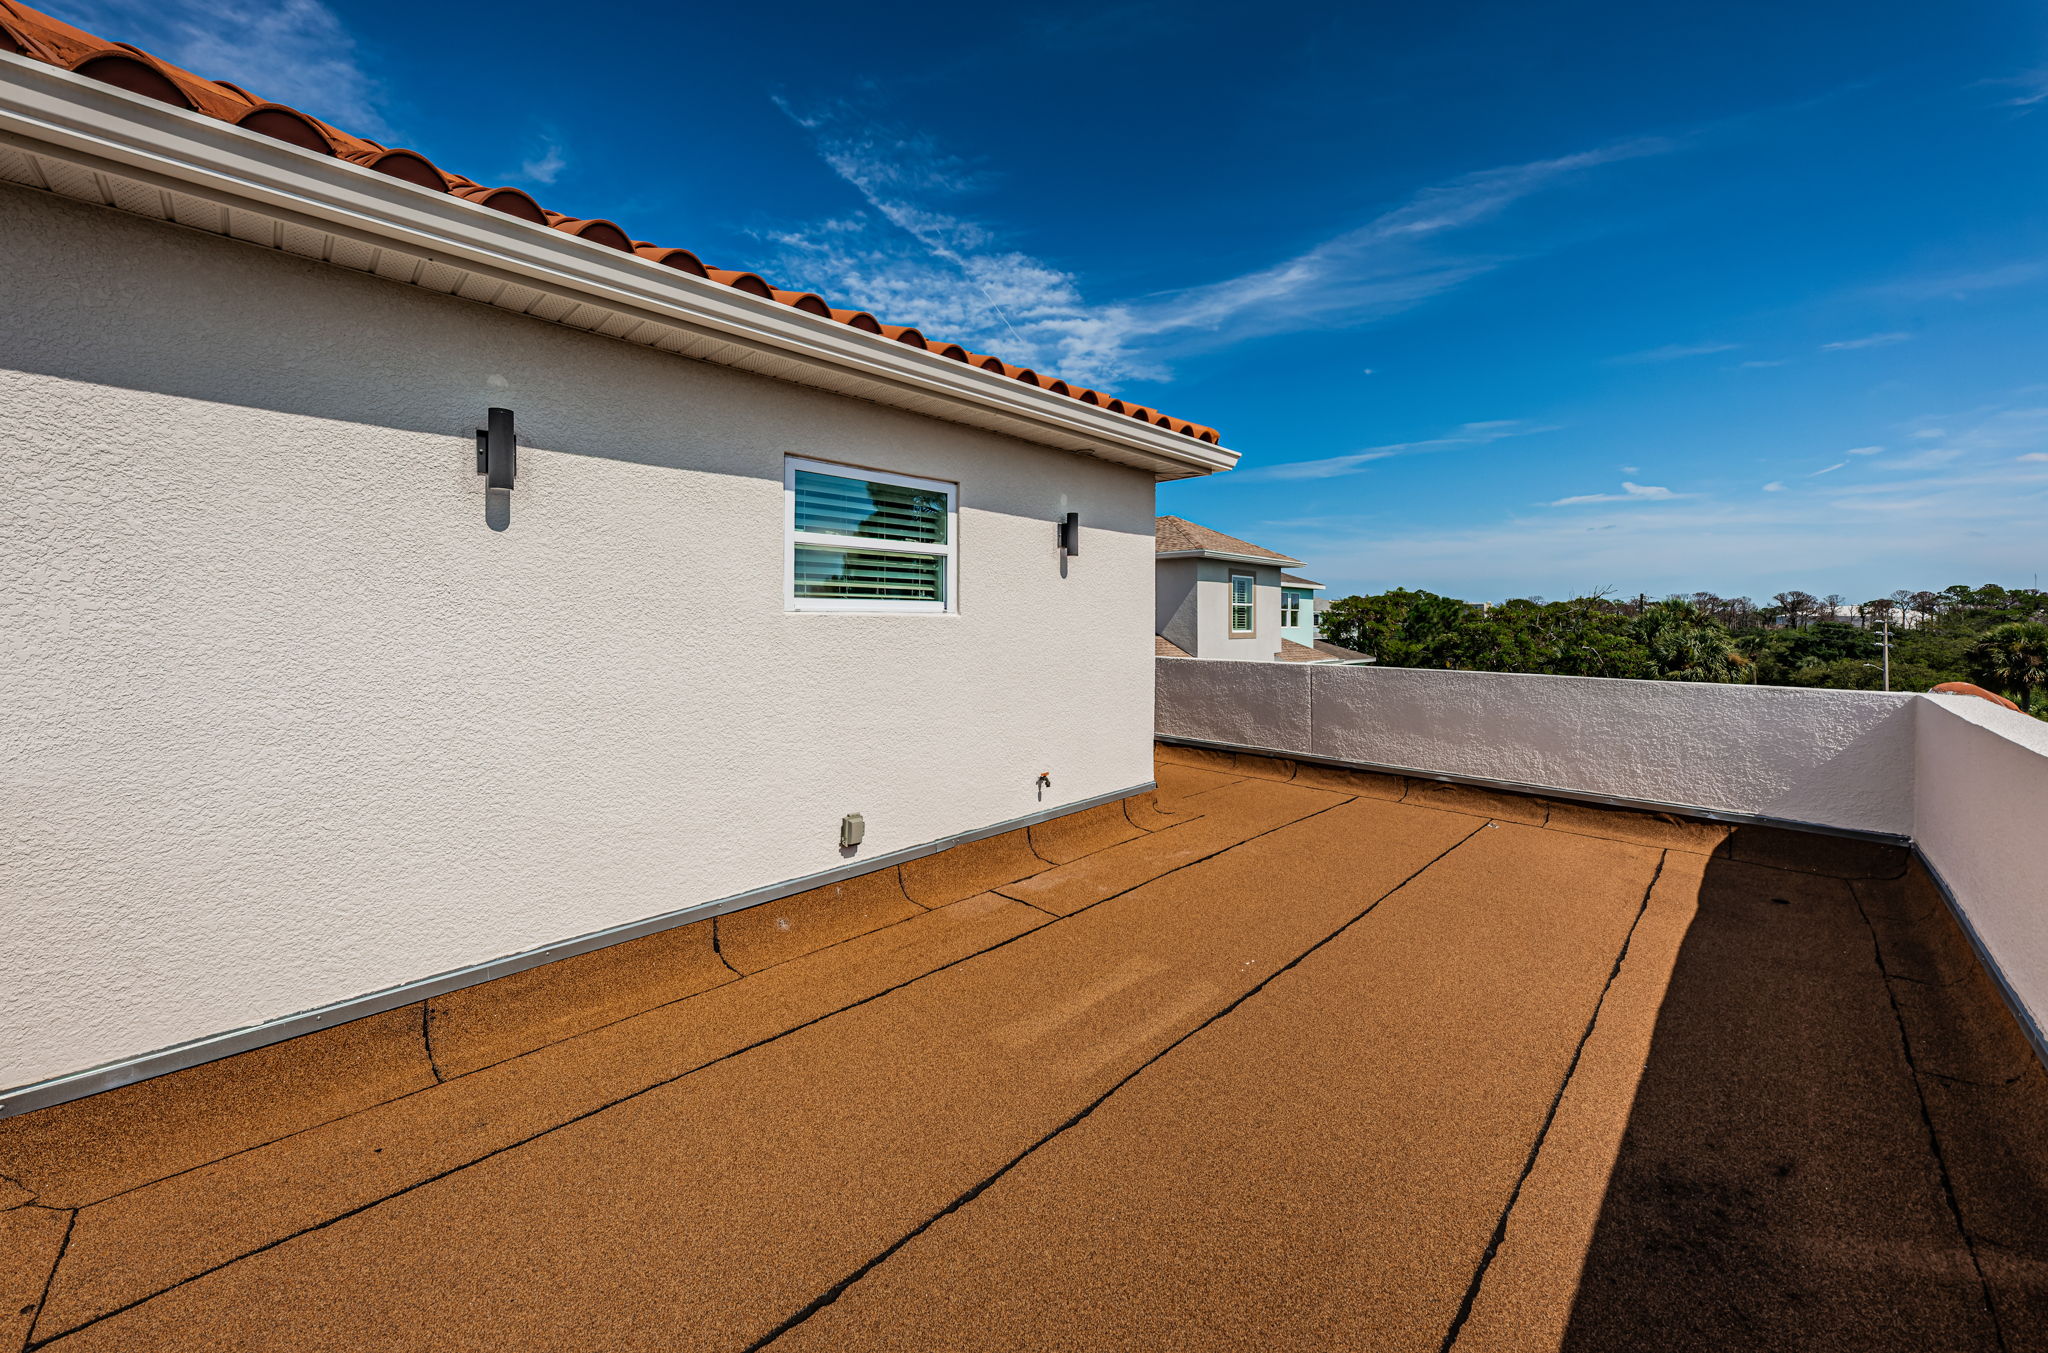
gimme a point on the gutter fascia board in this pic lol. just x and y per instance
(1274, 560)
(50, 112)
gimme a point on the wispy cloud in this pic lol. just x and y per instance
(1922, 460)
(1330, 467)
(1987, 435)
(1630, 493)
(910, 248)
(546, 165)
(1960, 285)
(1830, 469)
(1993, 433)
(294, 51)
(1761, 543)
(1672, 352)
(1867, 341)
(1759, 365)
(2032, 86)
(1979, 514)
(1864, 451)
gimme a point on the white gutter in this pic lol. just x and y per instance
(95, 142)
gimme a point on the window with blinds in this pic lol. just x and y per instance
(864, 540)
(1240, 603)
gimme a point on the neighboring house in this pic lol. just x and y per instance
(1298, 609)
(1221, 597)
(310, 699)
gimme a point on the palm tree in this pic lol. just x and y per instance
(1686, 644)
(2012, 659)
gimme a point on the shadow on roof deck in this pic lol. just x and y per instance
(1288, 1058)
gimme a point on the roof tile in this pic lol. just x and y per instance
(31, 33)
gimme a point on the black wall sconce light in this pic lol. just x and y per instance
(1070, 534)
(497, 450)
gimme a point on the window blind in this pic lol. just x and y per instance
(829, 505)
(870, 575)
(868, 542)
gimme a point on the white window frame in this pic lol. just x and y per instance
(1291, 599)
(791, 538)
(1251, 607)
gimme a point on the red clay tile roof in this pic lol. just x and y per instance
(33, 34)
(1163, 647)
(1172, 535)
(1965, 688)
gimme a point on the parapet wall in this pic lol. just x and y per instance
(1965, 780)
(1840, 759)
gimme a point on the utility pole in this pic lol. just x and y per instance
(1885, 643)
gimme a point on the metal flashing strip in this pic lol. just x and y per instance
(179, 1056)
(1552, 791)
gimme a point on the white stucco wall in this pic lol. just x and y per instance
(1214, 609)
(1981, 820)
(1836, 758)
(286, 721)
(1176, 613)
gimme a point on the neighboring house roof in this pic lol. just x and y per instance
(1178, 535)
(1322, 652)
(1163, 647)
(1293, 580)
(36, 35)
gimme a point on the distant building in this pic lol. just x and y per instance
(1298, 609)
(1221, 597)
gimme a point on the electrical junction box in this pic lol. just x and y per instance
(851, 828)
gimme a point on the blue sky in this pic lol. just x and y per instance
(1496, 299)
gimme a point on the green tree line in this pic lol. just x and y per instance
(1993, 636)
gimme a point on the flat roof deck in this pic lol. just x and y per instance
(1294, 1059)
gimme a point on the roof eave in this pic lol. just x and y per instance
(119, 139)
(1276, 561)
